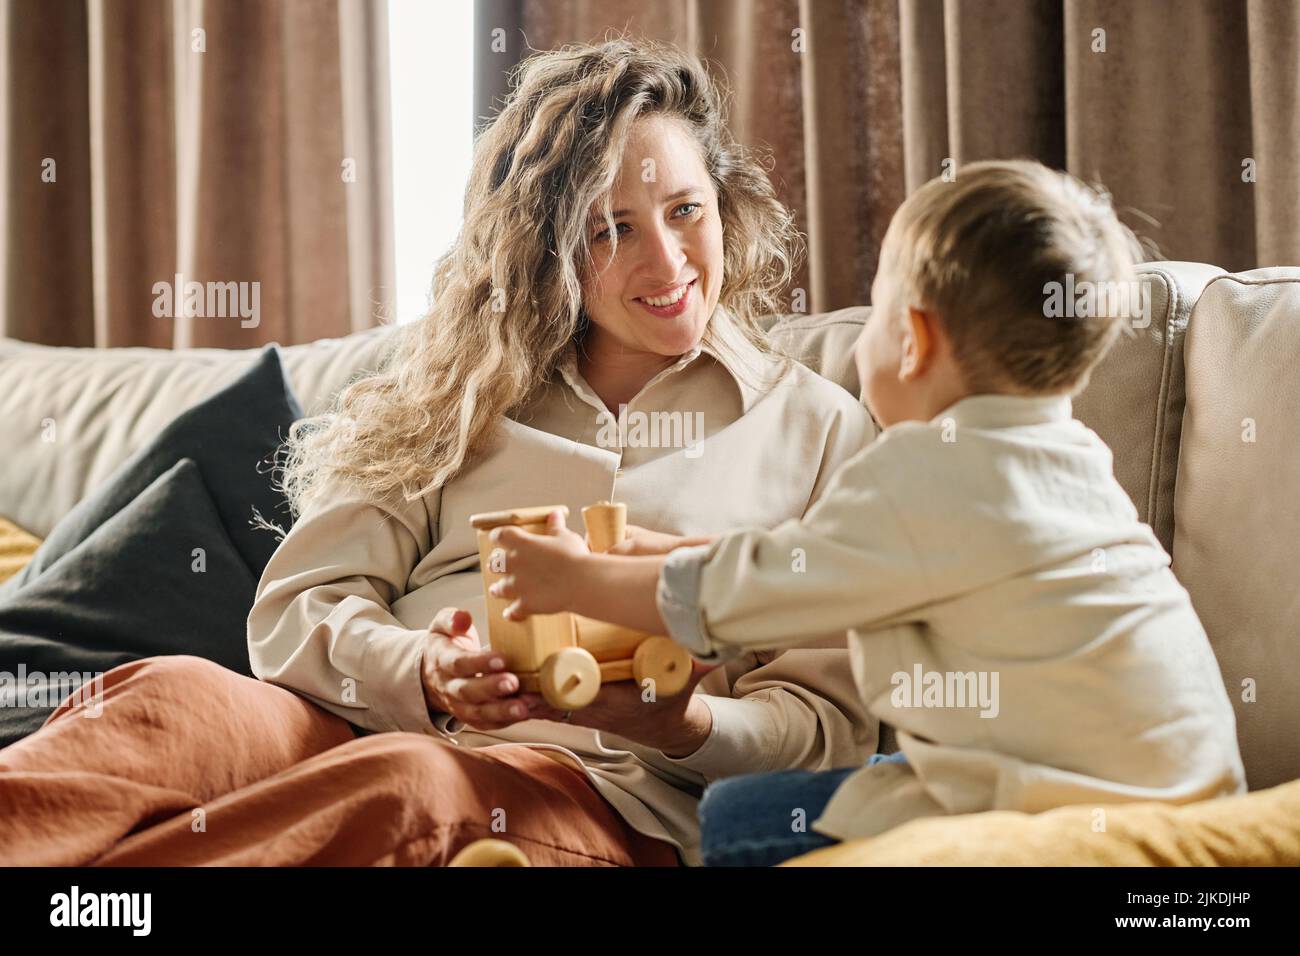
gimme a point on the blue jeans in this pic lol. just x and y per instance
(760, 819)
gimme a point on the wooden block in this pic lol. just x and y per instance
(518, 517)
(615, 670)
(606, 524)
(605, 641)
(524, 644)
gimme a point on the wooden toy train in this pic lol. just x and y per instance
(566, 656)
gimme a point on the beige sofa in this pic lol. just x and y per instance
(1201, 408)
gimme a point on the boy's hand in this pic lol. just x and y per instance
(542, 570)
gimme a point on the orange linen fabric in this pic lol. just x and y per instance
(189, 763)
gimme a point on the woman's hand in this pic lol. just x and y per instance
(641, 541)
(541, 569)
(462, 679)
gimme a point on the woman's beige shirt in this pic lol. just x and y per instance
(343, 609)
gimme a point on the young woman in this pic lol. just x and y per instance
(617, 251)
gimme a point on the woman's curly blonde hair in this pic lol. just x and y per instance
(507, 298)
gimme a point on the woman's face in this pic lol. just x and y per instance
(657, 295)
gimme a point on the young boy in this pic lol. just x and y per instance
(1007, 612)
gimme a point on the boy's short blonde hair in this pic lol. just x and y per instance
(982, 251)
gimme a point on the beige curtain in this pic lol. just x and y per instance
(229, 141)
(1185, 109)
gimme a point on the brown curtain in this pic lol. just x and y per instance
(1176, 106)
(229, 141)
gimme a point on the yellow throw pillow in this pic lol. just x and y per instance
(1254, 829)
(16, 548)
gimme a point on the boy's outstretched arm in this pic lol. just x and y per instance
(850, 562)
(556, 572)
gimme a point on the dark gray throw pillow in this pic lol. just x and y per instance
(159, 577)
(231, 436)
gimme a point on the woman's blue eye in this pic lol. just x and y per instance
(690, 209)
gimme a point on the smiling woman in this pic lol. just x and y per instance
(588, 131)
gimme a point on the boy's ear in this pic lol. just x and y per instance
(918, 344)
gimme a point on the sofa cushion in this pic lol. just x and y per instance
(231, 436)
(16, 548)
(1237, 527)
(824, 342)
(103, 405)
(1134, 400)
(138, 586)
(1257, 829)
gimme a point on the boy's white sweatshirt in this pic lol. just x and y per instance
(1010, 616)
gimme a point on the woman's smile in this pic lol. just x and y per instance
(668, 304)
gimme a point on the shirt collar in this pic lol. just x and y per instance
(752, 371)
(1006, 411)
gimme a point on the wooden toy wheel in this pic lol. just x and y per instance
(490, 853)
(663, 661)
(570, 678)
